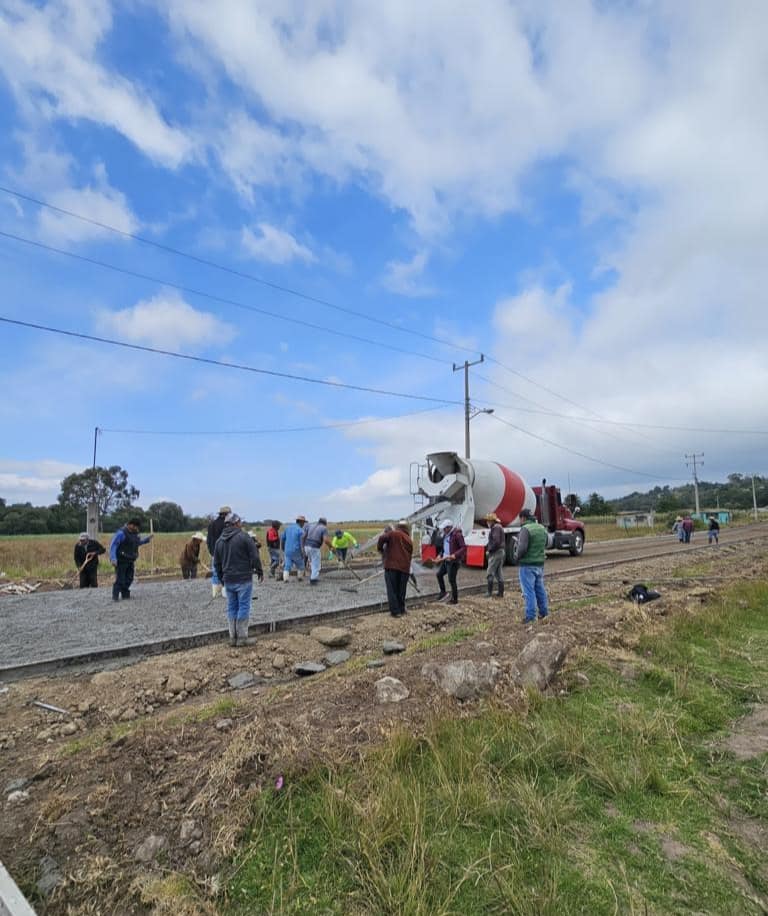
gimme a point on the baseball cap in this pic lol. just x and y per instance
(526, 513)
(84, 536)
(232, 519)
(225, 510)
(446, 523)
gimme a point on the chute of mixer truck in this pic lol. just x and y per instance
(465, 491)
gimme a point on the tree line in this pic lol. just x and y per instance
(116, 499)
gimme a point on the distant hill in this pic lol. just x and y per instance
(734, 493)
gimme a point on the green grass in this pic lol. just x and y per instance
(562, 810)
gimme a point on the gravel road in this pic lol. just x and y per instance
(52, 625)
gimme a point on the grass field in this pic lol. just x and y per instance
(615, 799)
(50, 556)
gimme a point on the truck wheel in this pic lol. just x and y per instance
(510, 556)
(577, 544)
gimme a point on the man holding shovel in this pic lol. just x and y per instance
(396, 547)
(87, 553)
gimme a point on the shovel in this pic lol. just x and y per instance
(354, 588)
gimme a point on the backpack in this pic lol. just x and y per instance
(641, 594)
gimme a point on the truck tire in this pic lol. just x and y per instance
(577, 544)
(510, 550)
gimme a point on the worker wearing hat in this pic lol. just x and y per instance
(315, 536)
(291, 542)
(87, 553)
(190, 556)
(215, 529)
(496, 551)
(531, 547)
(454, 551)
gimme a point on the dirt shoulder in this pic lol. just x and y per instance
(150, 772)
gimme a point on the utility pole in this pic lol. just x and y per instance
(92, 517)
(754, 498)
(692, 463)
(467, 406)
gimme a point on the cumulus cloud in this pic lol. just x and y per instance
(48, 56)
(167, 321)
(275, 245)
(386, 484)
(37, 481)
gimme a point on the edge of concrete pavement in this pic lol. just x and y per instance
(12, 901)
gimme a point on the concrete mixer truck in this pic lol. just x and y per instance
(465, 491)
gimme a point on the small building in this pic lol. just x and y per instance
(722, 515)
(634, 520)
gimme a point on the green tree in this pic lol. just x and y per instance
(168, 516)
(596, 505)
(108, 486)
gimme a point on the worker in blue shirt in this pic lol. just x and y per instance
(123, 553)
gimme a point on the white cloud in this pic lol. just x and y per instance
(37, 482)
(48, 55)
(275, 245)
(404, 277)
(384, 484)
(167, 321)
(102, 203)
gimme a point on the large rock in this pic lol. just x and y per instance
(392, 647)
(241, 680)
(390, 690)
(331, 636)
(464, 679)
(539, 661)
(307, 669)
(150, 848)
(336, 657)
(175, 683)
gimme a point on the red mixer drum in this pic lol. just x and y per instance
(496, 488)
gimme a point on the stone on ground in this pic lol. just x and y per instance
(391, 690)
(331, 636)
(464, 679)
(539, 661)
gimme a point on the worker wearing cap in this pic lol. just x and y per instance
(190, 556)
(314, 537)
(215, 529)
(340, 544)
(290, 541)
(454, 551)
(531, 547)
(87, 553)
(496, 551)
(396, 547)
(123, 553)
(236, 559)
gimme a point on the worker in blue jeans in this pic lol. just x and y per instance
(531, 553)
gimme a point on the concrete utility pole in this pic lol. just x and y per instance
(92, 517)
(692, 463)
(467, 406)
(754, 498)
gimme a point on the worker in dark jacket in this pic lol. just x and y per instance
(87, 553)
(454, 551)
(496, 551)
(531, 553)
(123, 553)
(396, 547)
(236, 559)
(215, 529)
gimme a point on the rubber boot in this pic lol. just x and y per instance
(242, 634)
(215, 590)
(223, 592)
(286, 576)
(490, 588)
(232, 631)
(501, 589)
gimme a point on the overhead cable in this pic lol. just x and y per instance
(214, 298)
(216, 362)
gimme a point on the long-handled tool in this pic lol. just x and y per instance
(354, 588)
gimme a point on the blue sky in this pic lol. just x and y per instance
(582, 198)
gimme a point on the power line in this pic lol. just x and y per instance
(571, 451)
(267, 431)
(243, 275)
(215, 362)
(214, 298)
